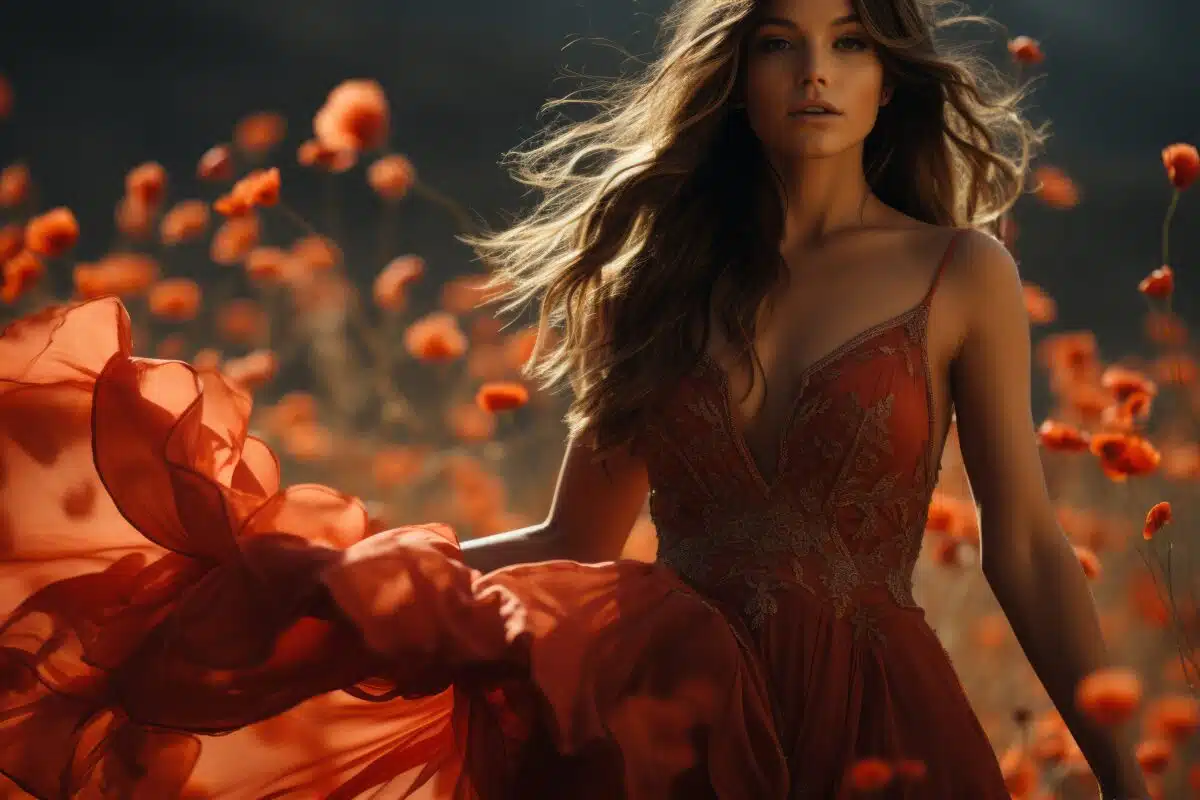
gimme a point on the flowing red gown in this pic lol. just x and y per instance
(161, 590)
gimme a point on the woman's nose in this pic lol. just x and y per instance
(813, 67)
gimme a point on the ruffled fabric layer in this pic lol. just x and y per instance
(176, 623)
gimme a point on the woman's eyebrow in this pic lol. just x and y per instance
(784, 22)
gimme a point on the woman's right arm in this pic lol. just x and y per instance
(593, 510)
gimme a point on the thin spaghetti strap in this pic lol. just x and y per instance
(937, 275)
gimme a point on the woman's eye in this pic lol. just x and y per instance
(773, 44)
(852, 43)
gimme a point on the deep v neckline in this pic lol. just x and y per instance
(733, 415)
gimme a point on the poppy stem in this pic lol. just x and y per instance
(1166, 228)
(460, 214)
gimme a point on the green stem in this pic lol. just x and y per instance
(1166, 228)
(460, 214)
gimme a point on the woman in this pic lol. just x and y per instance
(772, 297)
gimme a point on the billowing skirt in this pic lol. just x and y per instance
(176, 624)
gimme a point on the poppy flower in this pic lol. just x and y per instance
(175, 299)
(435, 337)
(355, 116)
(268, 264)
(1182, 163)
(317, 252)
(257, 133)
(1025, 50)
(869, 774)
(216, 165)
(234, 239)
(1110, 696)
(1123, 455)
(1055, 188)
(1154, 756)
(1174, 718)
(1159, 283)
(315, 153)
(52, 233)
(1158, 516)
(391, 176)
(15, 185)
(185, 221)
(396, 466)
(393, 281)
(241, 321)
(21, 273)
(1040, 307)
(307, 442)
(259, 188)
(497, 396)
(147, 183)
(470, 423)
(465, 293)
(134, 217)
(1123, 382)
(1062, 438)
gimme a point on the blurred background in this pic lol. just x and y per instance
(107, 85)
(351, 397)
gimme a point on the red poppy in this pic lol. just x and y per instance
(1109, 696)
(1159, 283)
(53, 233)
(354, 117)
(258, 132)
(1182, 162)
(176, 299)
(497, 396)
(1158, 516)
(147, 182)
(1063, 438)
(15, 184)
(1123, 455)
(21, 273)
(392, 176)
(1025, 50)
(216, 164)
(1055, 188)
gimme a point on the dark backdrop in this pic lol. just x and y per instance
(105, 85)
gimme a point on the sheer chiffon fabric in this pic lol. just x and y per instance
(178, 624)
(168, 632)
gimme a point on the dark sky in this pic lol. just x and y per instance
(103, 86)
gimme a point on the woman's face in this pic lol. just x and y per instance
(802, 52)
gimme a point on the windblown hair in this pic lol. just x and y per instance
(653, 211)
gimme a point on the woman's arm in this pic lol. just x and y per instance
(1028, 562)
(590, 517)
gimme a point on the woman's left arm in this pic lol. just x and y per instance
(1028, 562)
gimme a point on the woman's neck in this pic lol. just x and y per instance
(824, 196)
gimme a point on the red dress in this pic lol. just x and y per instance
(161, 590)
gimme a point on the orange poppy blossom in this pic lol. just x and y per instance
(1182, 162)
(234, 239)
(435, 337)
(20, 274)
(147, 183)
(175, 299)
(1055, 188)
(185, 221)
(355, 116)
(1063, 438)
(315, 153)
(497, 396)
(1025, 50)
(1110, 696)
(257, 133)
(216, 165)
(15, 185)
(1158, 516)
(52, 233)
(123, 274)
(391, 176)
(259, 188)
(1123, 455)
(391, 285)
(12, 240)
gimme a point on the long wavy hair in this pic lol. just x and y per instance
(653, 210)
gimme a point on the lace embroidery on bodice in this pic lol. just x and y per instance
(843, 516)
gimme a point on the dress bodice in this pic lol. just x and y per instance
(843, 514)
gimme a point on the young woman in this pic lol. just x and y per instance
(767, 262)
